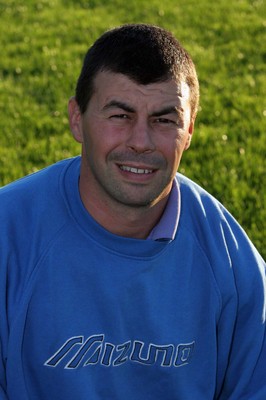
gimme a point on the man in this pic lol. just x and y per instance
(121, 279)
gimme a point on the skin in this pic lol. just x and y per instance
(133, 137)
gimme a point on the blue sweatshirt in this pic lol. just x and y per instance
(86, 314)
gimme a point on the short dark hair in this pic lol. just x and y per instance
(145, 53)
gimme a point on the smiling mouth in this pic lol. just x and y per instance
(135, 170)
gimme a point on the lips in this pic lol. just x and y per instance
(135, 170)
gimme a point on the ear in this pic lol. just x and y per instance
(74, 116)
(190, 133)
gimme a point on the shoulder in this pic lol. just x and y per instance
(196, 201)
(36, 189)
(213, 226)
(48, 176)
(33, 213)
(34, 199)
(234, 260)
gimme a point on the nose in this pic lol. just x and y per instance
(140, 137)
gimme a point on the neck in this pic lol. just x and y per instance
(120, 219)
(128, 223)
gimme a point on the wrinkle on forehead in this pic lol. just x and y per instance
(118, 87)
(168, 88)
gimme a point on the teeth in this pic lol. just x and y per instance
(136, 170)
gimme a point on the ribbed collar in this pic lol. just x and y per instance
(167, 226)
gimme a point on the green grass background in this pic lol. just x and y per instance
(42, 47)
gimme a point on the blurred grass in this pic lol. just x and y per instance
(43, 44)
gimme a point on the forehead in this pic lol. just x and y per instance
(113, 86)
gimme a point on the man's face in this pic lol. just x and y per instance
(133, 137)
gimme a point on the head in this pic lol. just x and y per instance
(145, 54)
(134, 110)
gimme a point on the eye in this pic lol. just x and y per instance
(119, 116)
(165, 121)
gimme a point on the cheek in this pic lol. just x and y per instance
(174, 147)
(182, 141)
(98, 146)
(173, 154)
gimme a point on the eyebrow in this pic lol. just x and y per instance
(118, 104)
(167, 110)
(127, 108)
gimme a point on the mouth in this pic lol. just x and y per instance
(134, 170)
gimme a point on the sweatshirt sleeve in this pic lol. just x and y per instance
(245, 377)
(2, 394)
(3, 334)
